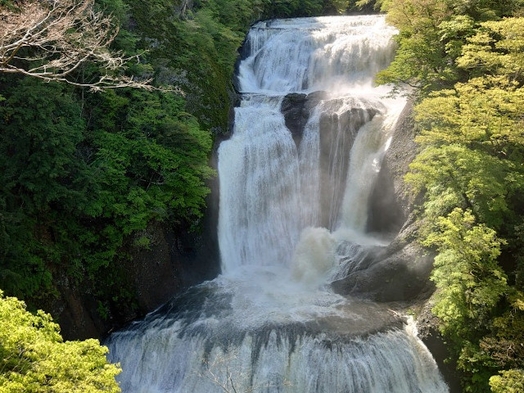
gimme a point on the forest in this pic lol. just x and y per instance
(464, 61)
(107, 126)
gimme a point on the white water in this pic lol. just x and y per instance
(270, 323)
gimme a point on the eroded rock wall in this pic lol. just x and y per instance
(401, 270)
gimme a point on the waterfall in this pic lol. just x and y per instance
(293, 212)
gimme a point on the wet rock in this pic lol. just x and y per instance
(391, 201)
(399, 272)
(296, 108)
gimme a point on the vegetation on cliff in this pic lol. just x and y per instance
(81, 171)
(463, 62)
(34, 358)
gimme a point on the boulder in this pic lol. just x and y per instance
(396, 273)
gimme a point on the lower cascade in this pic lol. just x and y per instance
(295, 177)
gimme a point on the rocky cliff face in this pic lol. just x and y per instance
(399, 271)
(173, 261)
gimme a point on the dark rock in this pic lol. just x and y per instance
(338, 132)
(427, 326)
(386, 215)
(170, 263)
(394, 273)
(296, 108)
(148, 275)
(400, 271)
(78, 315)
(390, 200)
(295, 113)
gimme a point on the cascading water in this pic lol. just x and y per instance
(292, 210)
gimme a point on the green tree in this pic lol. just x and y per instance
(155, 166)
(455, 176)
(42, 182)
(468, 278)
(72, 191)
(470, 171)
(511, 381)
(82, 173)
(432, 34)
(482, 114)
(34, 358)
(420, 60)
(470, 285)
(497, 48)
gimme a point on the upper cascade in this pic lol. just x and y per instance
(310, 54)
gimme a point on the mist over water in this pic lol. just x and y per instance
(292, 210)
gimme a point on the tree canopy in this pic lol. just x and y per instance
(34, 358)
(464, 61)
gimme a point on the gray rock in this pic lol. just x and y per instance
(400, 271)
(397, 273)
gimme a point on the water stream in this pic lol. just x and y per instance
(270, 322)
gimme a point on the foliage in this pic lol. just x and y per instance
(193, 51)
(485, 122)
(81, 173)
(421, 57)
(73, 190)
(33, 356)
(510, 381)
(497, 48)
(469, 281)
(455, 176)
(469, 169)
(155, 164)
(505, 343)
(432, 35)
(41, 179)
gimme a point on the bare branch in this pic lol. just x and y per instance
(51, 39)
